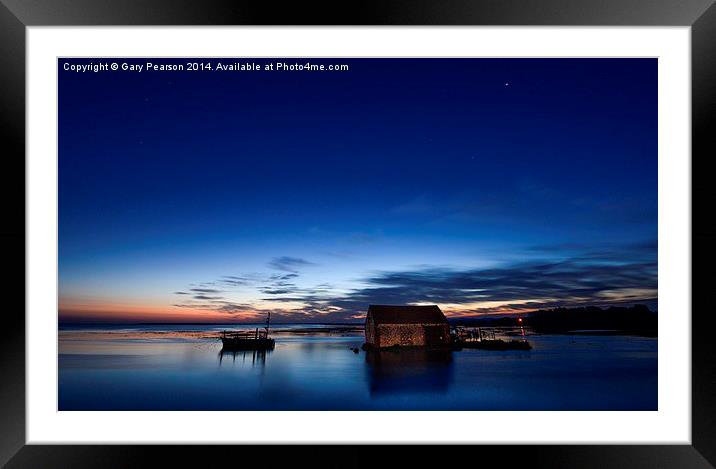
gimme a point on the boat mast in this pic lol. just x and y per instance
(268, 323)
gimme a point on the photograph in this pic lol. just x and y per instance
(357, 234)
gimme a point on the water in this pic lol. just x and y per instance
(183, 368)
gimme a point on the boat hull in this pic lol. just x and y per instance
(231, 343)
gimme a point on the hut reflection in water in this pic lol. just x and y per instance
(408, 370)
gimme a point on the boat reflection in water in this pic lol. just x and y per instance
(409, 370)
(241, 343)
(257, 357)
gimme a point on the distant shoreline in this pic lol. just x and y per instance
(339, 329)
(261, 324)
(636, 320)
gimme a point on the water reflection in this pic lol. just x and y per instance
(561, 372)
(409, 370)
(257, 357)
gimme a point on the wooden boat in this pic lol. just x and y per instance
(248, 340)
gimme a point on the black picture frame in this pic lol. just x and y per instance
(16, 15)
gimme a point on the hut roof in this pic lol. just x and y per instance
(387, 314)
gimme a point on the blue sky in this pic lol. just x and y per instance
(482, 185)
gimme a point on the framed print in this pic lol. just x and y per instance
(469, 225)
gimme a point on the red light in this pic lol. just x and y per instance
(519, 319)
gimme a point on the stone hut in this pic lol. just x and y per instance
(410, 326)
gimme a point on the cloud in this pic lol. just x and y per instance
(282, 284)
(207, 300)
(554, 275)
(205, 290)
(277, 291)
(289, 264)
(561, 280)
(606, 252)
(227, 307)
(279, 277)
(233, 281)
(626, 274)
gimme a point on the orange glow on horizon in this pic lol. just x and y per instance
(96, 309)
(91, 311)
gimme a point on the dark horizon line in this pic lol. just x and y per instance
(261, 323)
(96, 323)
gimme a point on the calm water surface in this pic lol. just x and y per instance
(183, 368)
